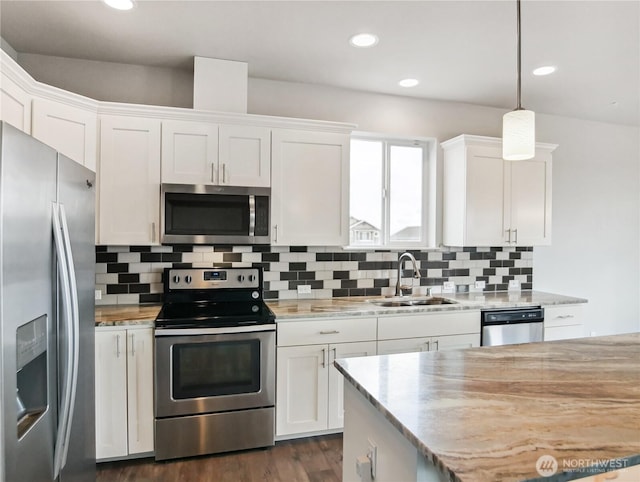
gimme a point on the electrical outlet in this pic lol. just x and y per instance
(372, 454)
(98, 294)
(514, 285)
(304, 289)
(448, 287)
(480, 285)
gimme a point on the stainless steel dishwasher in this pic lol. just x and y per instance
(511, 326)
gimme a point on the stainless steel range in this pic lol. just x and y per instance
(214, 363)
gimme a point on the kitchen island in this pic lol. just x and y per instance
(489, 414)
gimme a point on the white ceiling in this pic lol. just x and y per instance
(459, 50)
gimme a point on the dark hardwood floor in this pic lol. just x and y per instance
(314, 459)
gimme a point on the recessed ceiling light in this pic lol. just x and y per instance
(120, 4)
(545, 70)
(363, 40)
(408, 83)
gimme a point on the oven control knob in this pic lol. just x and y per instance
(176, 279)
(255, 308)
(240, 278)
(255, 295)
(251, 278)
(187, 279)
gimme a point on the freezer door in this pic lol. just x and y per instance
(76, 195)
(27, 192)
(512, 333)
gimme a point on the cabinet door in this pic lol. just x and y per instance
(403, 345)
(455, 342)
(129, 181)
(310, 188)
(530, 197)
(189, 152)
(69, 130)
(486, 206)
(111, 394)
(245, 156)
(563, 322)
(140, 390)
(15, 104)
(302, 389)
(336, 380)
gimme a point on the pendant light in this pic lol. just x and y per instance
(519, 125)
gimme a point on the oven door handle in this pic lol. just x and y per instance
(230, 330)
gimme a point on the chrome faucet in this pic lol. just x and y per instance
(416, 272)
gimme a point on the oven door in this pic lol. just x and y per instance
(204, 371)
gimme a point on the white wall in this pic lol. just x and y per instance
(115, 82)
(596, 179)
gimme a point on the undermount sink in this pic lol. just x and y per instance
(409, 301)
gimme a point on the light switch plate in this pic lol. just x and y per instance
(480, 285)
(514, 285)
(98, 294)
(448, 287)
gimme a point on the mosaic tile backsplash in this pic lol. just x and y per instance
(133, 274)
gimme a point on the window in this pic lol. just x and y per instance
(388, 192)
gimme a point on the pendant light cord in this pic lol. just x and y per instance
(519, 107)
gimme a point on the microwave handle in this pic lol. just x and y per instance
(252, 215)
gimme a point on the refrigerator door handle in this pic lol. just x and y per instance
(71, 321)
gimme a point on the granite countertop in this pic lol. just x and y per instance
(359, 306)
(116, 315)
(489, 413)
(125, 315)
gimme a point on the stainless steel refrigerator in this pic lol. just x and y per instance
(47, 264)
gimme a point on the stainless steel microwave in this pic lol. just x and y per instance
(201, 214)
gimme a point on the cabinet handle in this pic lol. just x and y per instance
(275, 235)
(515, 231)
(329, 332)
(437, 344)
(224, 173)
(324, 358)
(213, 172)
(335, 353)
(133, 344)
(428, 345)
(508, 231)
(153, 232)
(562, 317)
(117, 346)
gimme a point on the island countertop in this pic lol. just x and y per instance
(490, 413)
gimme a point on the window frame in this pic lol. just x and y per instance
(429, 190)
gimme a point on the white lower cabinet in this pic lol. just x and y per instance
(124, 392)
(309, 393)
(563, 322)
(428, 332)
(439, 343)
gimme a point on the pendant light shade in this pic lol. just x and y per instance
(519, 135)
(519, 125)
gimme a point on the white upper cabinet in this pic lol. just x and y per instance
(129, 181)
(70, 130)
(15, 101)
(309, 188)
(189, 152)
(488, 201)
(205, 153)
(245, 156)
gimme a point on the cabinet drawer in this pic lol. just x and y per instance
(563, 332)
(565, 315)
(313, 332)
(428, 324)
